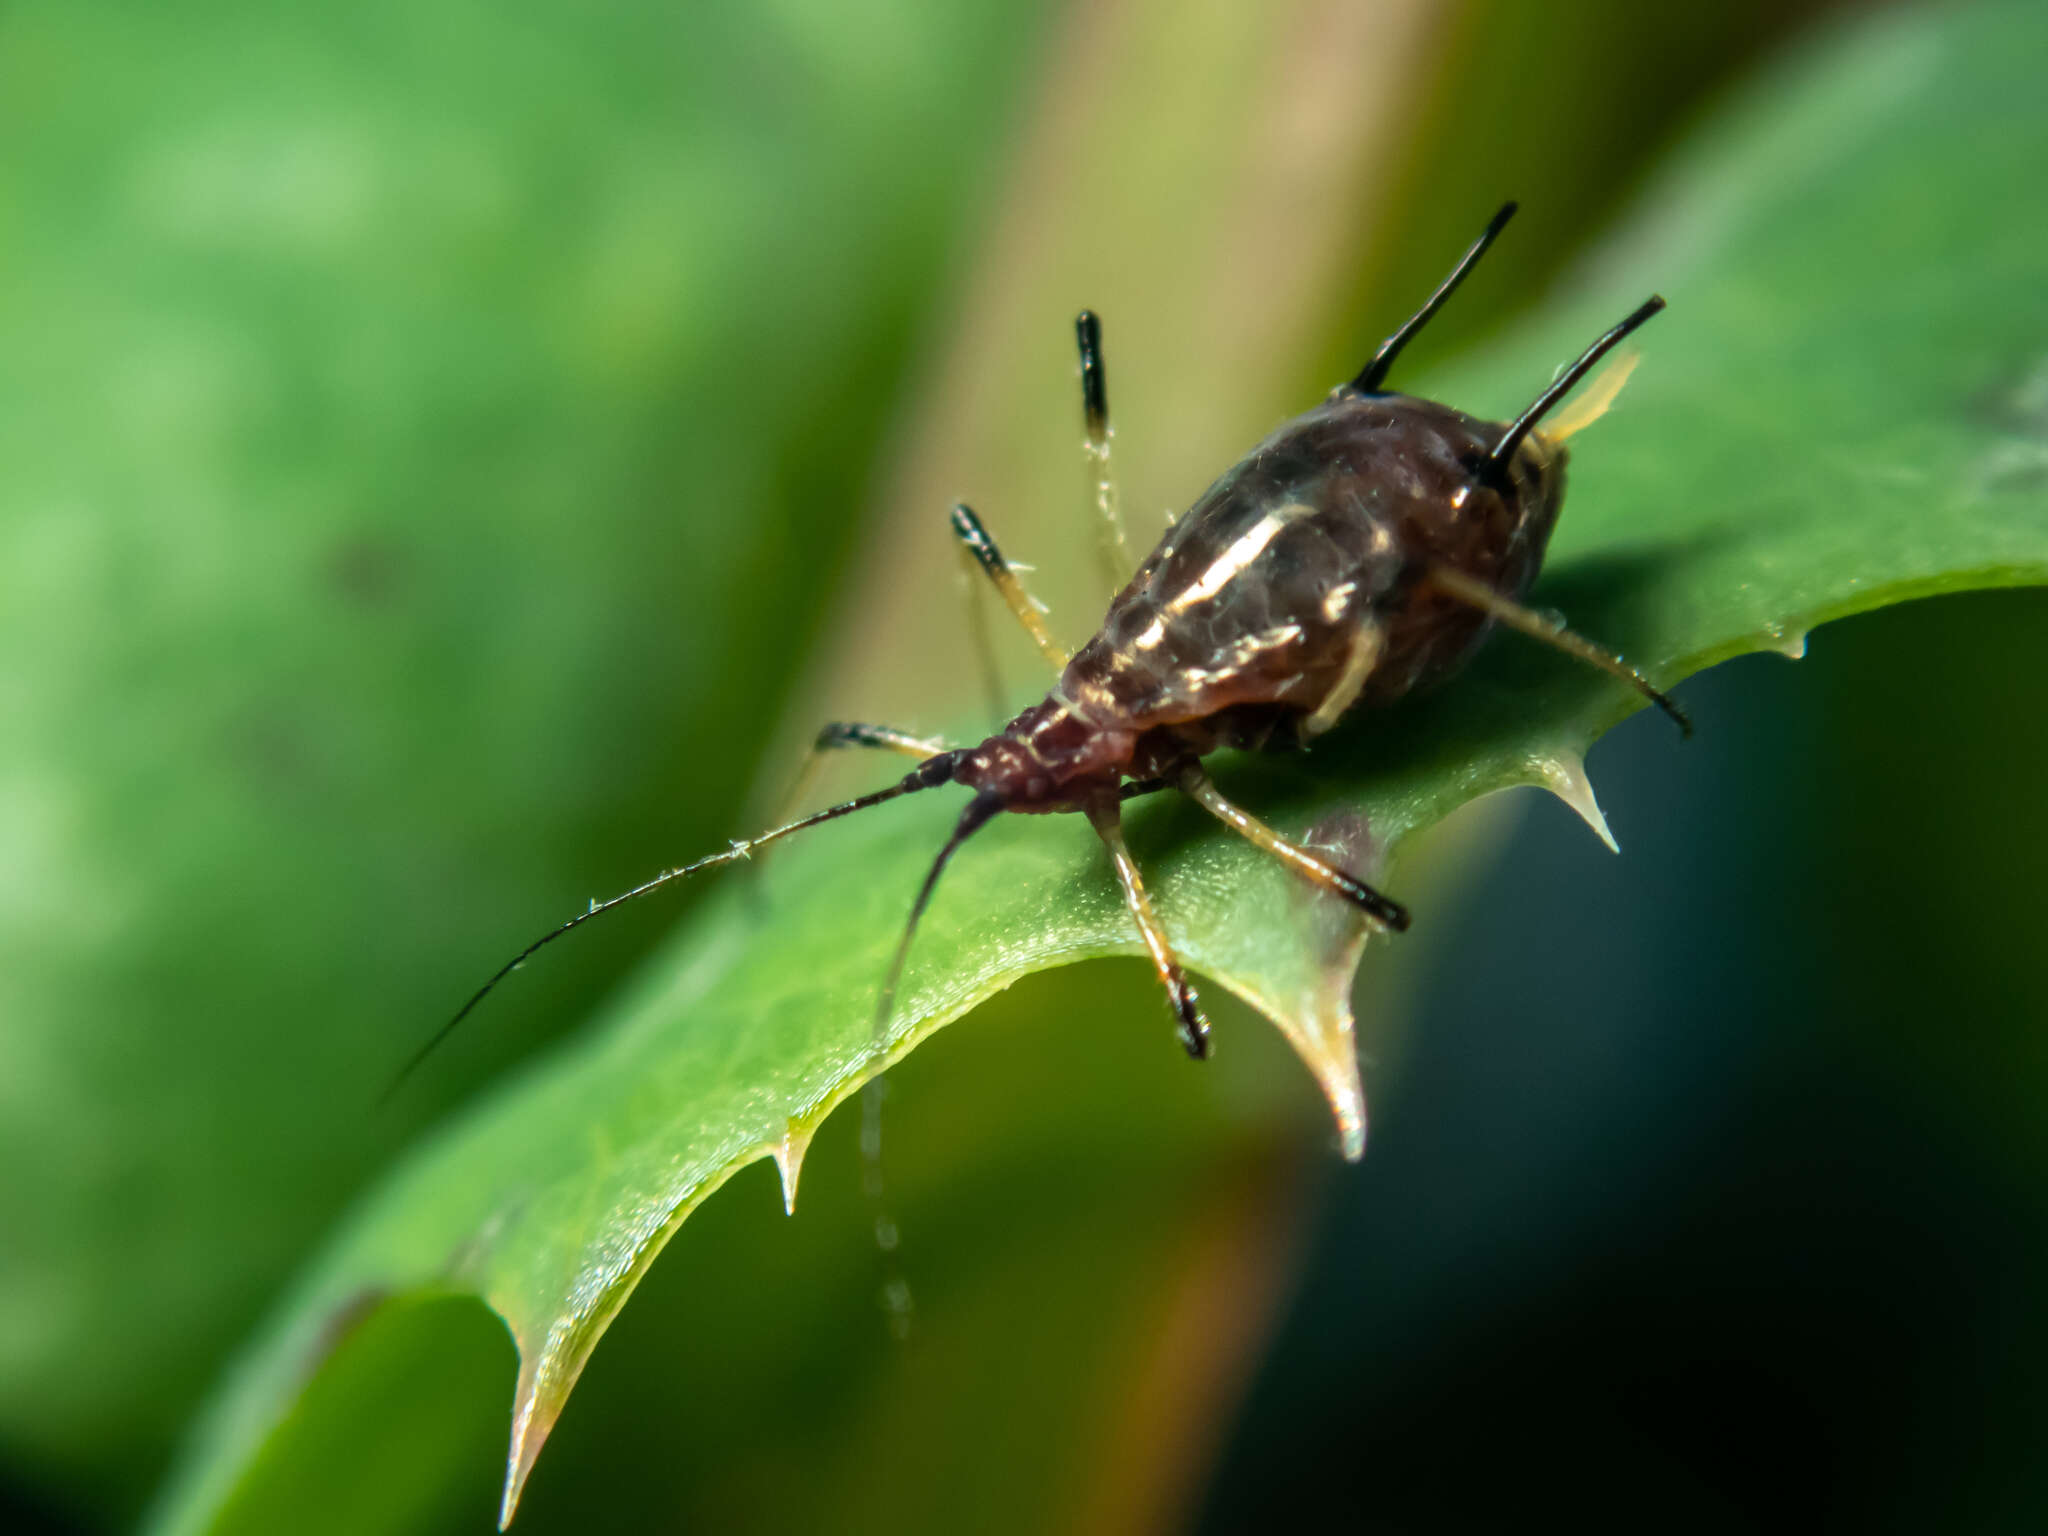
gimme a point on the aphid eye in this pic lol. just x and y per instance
(1481, 469)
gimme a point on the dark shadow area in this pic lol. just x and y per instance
(1712, 1194)
(19, 1516)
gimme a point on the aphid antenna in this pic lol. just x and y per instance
(1370, 377)
(929, 774)
(1504, 451)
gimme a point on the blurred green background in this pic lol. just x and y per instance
(450, 453)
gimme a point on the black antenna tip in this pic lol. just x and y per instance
(1374, 373)
(1094, 387)
(1504, 451)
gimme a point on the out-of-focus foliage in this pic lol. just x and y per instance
(1729, 1153)
(427, 434)
(1865, 438)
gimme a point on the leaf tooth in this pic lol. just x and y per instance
(1786, 639)
(1345, 1089)
(1564, 775)
(1318, 1024)
(530, 1426)
(789, 1159)
(1309, 998)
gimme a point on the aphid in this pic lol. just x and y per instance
(1360, 552)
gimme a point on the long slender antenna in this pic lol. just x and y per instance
(1368, 380)
(1504, 451)
(930, 773)
(977, 815)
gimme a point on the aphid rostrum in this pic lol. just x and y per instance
(1362, 551)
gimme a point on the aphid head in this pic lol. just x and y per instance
(1536, 472)
(1529, 460)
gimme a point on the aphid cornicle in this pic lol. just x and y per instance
(1360, 552)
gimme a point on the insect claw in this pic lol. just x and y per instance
(1384, 910)
(1194, 1029)
(1678, 716)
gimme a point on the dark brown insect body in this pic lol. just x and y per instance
(1360, 552)
(1285, 595)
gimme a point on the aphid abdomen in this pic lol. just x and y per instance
(1291, 580)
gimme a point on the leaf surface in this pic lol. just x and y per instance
(370, 381)
(1846, 406)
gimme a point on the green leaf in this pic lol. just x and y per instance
(1846, 406)
(375, 389)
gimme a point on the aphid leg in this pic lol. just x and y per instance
(978, 813)
(1107, 820)
(1364, 655)
(838, 735)
(841, 734)
(1454, 583)
(851, 733)
(975, 539)
(1134, 789)
(1109, 522)
(1311, 867)
(982, 636)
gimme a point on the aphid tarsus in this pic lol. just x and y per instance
(1362, 551)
